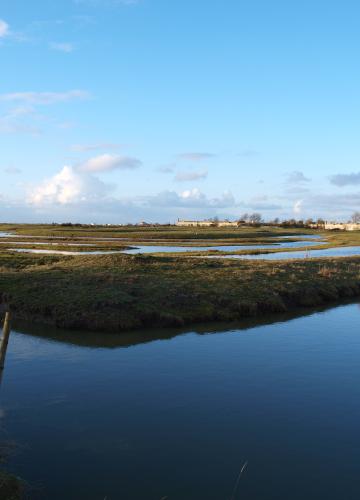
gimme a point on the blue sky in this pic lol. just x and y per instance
(116, 111)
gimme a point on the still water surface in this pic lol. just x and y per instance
(302, 254)
(124, 417)
(145, 249)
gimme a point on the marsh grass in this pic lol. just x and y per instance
(121, 292)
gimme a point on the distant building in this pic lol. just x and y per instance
(208, 223)
(340, 226)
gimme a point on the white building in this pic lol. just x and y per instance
(207, 223)
(350, 226)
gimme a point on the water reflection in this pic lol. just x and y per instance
(326, 252)
(178, 418)
(110, 340)
(221, 248)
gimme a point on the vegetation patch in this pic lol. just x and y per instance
(123, 292)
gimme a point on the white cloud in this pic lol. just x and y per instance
(191, 176)
(167, 169)
(4, 28)
(297, 177)
(196, 156)
(15, 120)
(107, 162)
(298, 206)
(191, 198)
(62, 46)
(9, 126)
(44, 98)
(68, 187)
(21, 114)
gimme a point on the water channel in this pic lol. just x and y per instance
(171, 414)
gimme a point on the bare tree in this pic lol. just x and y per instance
(355, 218)
(245, 217)
(256, 218)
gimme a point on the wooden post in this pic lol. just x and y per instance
(5, 339)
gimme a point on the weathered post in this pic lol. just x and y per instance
(5, 339)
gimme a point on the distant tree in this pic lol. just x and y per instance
(256, 218)
(245, 217)
(355, 218)
(309, 222)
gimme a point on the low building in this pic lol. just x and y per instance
(341, 226)
(207, 223)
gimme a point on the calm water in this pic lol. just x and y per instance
(178, 417)
(143, 249)
(325, 252)
(222, 248)
(6, 235)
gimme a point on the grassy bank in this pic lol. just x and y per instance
(165, 233)
(123, 292)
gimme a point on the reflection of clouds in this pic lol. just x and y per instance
(25, 348)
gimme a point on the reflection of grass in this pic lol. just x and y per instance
(118, 292)
(10, 487)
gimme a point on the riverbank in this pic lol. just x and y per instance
(122, 292)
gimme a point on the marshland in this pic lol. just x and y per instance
(130, 277)
(179, 356)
